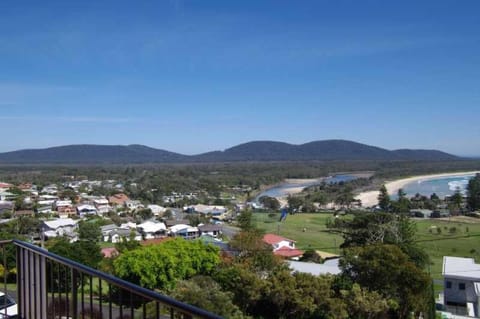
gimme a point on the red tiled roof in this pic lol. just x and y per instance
(272, 239)
(109, 252)
(288, 252)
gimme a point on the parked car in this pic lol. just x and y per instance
(8, 307)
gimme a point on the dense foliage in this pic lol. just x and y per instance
(161, 266)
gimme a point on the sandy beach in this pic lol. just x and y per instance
(370, 198)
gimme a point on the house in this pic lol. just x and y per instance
(113, 233)
(282, 246)
(151, 229)
(60, 227)
(421, 213)
(157, 209)
(185, 231)
(133, 205)
(118, 199)
(210, 230)
(5, 186)
(102, 205)
(83, 210)
(462, 285)
(172, 222)
(7, 196)
(217, 212)
(64, 207)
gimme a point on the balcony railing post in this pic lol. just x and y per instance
(74, 274)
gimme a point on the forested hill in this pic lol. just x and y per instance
(252, 151)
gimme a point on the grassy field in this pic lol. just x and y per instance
(308, 230)
(458, 237)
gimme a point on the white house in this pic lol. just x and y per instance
(60, 227)
(86, 209)
(157, 209)
(102, 205)
(151, 229)
(113, 233)
(282, 246)
(462, 284)
(183, 230)
(210, 230)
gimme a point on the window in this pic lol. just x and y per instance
(448, 284)
(461, 286)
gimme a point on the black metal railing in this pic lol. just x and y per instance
(54, 287)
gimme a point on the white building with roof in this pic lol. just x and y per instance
(183, 230)
(60, 227)
(462, 284)
(151, 229)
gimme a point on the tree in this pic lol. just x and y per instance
(89, 230)
(269, 202)
(299, 295)
(364, 304)
(384, 198)
(294, 203)
(473, 189)
(84, 252)
(161, 266)
(253, 253)
(204, 292)
(381, 228)
(457, 199)
(244, 220)
(388, 271)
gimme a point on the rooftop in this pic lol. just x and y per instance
(461, 267)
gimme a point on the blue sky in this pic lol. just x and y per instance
(195, 76)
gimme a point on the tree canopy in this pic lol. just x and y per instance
(161, 266)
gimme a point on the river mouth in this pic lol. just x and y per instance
(295, 186)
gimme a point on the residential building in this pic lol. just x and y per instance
(462, 284)
(210, 230)
(185, 231)
(60, 227)
(282, 246)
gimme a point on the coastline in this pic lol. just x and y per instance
(370, 198)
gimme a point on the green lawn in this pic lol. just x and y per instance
(460, 243)
(308, 230)
(463, 242)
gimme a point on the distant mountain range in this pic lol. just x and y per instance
(252, 151)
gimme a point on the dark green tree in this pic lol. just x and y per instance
(387, 270)
(89, 230)
(204, 292)
(473, 189)
(384, 199)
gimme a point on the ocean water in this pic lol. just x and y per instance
(443, 186)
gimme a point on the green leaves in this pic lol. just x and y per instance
(161, 266)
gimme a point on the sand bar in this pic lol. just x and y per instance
(370, 198)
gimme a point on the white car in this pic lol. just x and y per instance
(8, 306)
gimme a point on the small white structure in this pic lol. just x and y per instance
(462, 284)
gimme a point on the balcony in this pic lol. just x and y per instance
(54, 287)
